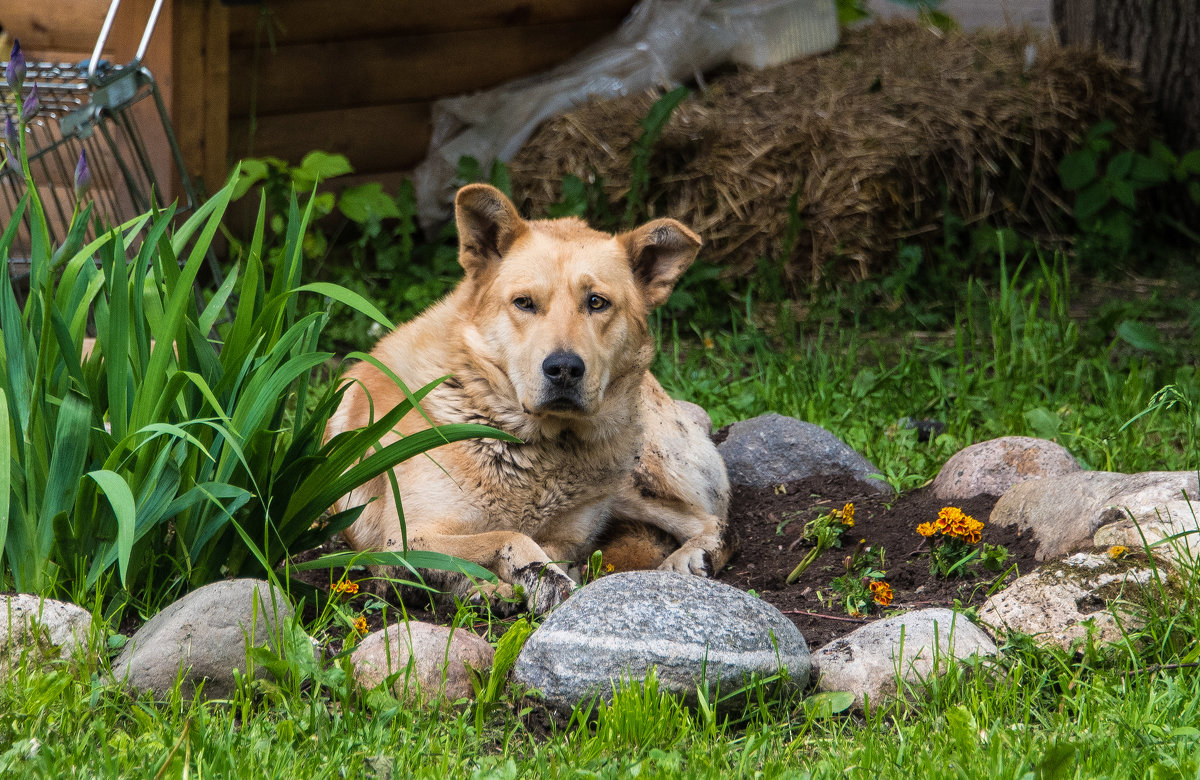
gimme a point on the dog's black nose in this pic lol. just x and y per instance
(563, 368)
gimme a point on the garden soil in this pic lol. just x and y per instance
(769, 523)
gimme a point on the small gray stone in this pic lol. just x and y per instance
(866, 661)
(1064, 512)
(44, 628)
(431, 661)
(691, 629)
(1178, 522)
(772, 449)
(992, 467)
(1060, 602)
(204, 636)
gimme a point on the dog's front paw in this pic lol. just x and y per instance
(689, 560)
(545, 586)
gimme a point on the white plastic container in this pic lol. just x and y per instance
(771, 32)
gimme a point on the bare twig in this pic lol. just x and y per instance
(1162, 668)
(827, 617)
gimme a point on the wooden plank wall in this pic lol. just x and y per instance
(359, 78)
(284, 77)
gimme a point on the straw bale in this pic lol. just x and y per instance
(871, 144)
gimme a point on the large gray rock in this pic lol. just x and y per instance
(204, 637)
(1172, 529)
(772, 449)
(1064, 512)
(429, 662)
(692, 630)
(1062, 601)
(869, 661)
(39, 629)
(992, 467)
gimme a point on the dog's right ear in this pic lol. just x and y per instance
(488, 225)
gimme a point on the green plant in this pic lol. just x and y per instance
(371, 250)
(952, 539)
(862, 585)
(825, 531)
(994, 557)
(643, 148)
(181, 448)
(1108, 183)
(489, 686)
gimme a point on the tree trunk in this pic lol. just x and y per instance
(1161, 38)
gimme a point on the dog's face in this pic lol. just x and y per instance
(560, 309)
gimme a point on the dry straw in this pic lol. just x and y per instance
(875, 141)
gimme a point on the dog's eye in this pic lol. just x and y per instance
(523, 302)
(597, 302)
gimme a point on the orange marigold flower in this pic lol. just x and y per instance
(360, 624)
(927, 529)
(345, 588)
(949, 517)
(1117, 551)
(972, 530)
(847, 514)
(881, 592)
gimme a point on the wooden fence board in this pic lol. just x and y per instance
(374, 138)
(311, 21)
(403, 68)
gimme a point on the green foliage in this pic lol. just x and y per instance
(864, 570)
(371, 251)
(825, 531)
(994, 557)
(652, 125)
(185, 447)
(1109, 183)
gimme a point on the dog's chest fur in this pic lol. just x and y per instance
(553, 477)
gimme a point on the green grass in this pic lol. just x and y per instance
(1049, 715)
(1017, 363)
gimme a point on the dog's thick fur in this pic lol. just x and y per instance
(545, 338)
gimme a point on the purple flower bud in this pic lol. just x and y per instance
(14, 72)
(13, 144)
(31, 105)
(83, 176)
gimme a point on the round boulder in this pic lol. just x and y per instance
(992, 467)
(1064, 513)
(204, 636)
(871, 661)
(772, 449)
(691, 630)
(1063, 602)
(41, 628)
(429, 662)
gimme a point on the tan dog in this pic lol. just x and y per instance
(545, 338)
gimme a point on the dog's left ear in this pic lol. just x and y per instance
(659, 252)
(488, 225)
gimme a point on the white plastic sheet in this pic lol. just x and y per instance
(661, 43)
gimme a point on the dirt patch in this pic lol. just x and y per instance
(770, 522)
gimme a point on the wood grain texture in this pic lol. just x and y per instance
(340, 74)
(310, 21)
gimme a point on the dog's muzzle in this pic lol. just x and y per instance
(563, 372)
